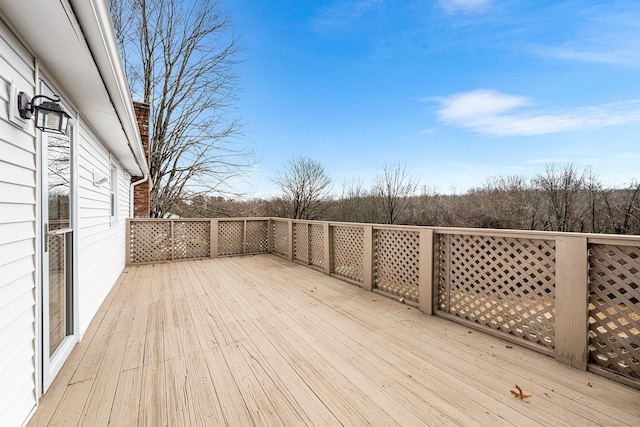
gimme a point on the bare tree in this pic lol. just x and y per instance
(355, 203)
(394, 188)
(427, 208)
(595, 204)
(560, 188)
(179, 58)
(503, 202)
(305, 188)
(622, 207)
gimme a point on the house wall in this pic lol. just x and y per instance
(17, 239)
(101, 237)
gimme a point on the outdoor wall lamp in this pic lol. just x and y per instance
(50, 117)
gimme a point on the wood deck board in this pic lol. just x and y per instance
(127, 398)
(100, 399)
(282, 369)
(380, 343)
(260, 341)
(60, 388)
(442, 398)
(268, 327)
(520, 362)
(234, 409)
(382, 367)
(404, 391)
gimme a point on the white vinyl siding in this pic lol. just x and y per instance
(17, 240)
(100, 247)
(101, 243)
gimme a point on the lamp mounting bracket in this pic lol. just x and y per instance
(26, 104)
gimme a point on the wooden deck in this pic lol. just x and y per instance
(258, 340)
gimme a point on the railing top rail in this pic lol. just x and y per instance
(592, 237)
(531, 234)
(199, 219)
(616, 239)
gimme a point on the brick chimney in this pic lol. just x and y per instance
(141, 205)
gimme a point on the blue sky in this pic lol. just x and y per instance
(458, 90)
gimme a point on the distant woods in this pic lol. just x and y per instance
(558, 198)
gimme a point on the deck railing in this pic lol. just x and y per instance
(573, 296)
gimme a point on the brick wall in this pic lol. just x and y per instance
(141, 206)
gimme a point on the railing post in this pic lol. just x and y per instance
(244, 237)
(367, 265)
(328, 249)
(572, 301)
(128, 244)
(290, 237)
(213, 238)
(426, 265)
(173, 244)
(269, 235)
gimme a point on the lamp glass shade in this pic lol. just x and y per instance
(50, 117)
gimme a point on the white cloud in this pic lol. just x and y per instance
(605, 34)
(494, 113)
(616, 55)
(479, 103)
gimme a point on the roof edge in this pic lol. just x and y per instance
(95, 20)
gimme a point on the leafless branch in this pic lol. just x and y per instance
(305, 188)
(180, 59)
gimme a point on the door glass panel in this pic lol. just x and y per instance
(59, 242)
(59, 181)
(57, 291)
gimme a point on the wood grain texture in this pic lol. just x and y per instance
(257, 340)
(572, 300)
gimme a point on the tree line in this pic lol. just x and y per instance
(557, 198)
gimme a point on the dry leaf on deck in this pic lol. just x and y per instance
(519, 394)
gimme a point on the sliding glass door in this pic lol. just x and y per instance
(57, 267)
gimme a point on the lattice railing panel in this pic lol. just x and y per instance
(56, 252)
(230, 237)
(191, 239)
(301, 242)
(348, 249)
(150, 241)
(280, 237)
(316, 242)
(505, 283)
(614, 308)
(396, 263)
(257, 237)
